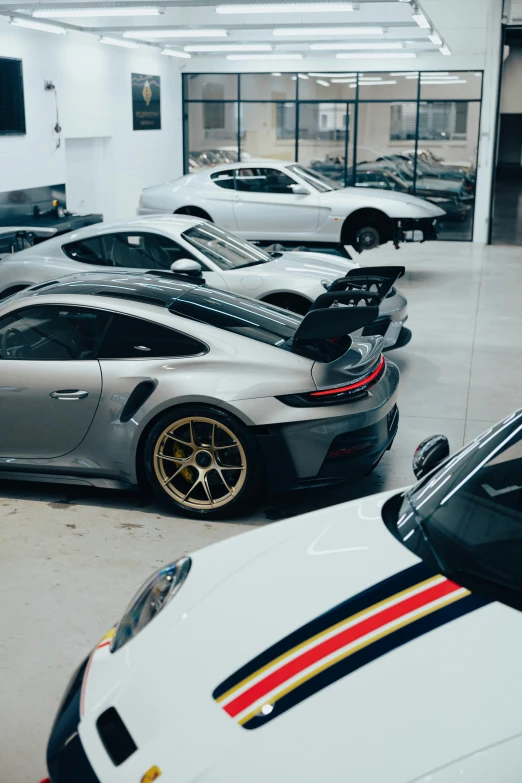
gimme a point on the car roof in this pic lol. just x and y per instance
(177, 223)
(153, 288)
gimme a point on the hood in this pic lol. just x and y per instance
(377, 195)
(260, 602)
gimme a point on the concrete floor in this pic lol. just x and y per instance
(70, 558)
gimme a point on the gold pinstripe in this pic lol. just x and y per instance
(324, 633)
(346, 654)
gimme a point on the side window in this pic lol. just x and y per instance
(135, 338)
(223, 179)
(87, 251)
(264, 181)
(52, 332)
(142, 251)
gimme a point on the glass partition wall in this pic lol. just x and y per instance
(413, 132)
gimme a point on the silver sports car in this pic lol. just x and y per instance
(292, 280)
(111, 377)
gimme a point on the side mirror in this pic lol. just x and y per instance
(299, 190)
(430, 453)
(186, 266)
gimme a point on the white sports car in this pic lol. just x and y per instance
(274, 201)
(292, 280)
(375, 641)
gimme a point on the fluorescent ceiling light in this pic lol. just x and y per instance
(322, 82)
(45, 28)
(344, 81)
(276, 73)
(322, 47)
(435, 39)
(179, 33)
(229, 48)
(303, 76)
(421, 20)
(376, 55)
(440, 81)
(315, 31)
(285, 8)
(264, 57)
(406, 74)
(444, 50)
(332, 75)
(363, 83)
(370, 78)
(175, 53)
(79, 12)
(119, 42)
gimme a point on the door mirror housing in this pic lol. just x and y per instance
(299, 190)
(186, 266)
(430, 453)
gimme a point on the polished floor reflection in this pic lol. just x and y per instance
(507, 213)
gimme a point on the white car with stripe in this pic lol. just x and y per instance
(378, 640)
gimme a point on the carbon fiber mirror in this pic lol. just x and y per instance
(430, 453)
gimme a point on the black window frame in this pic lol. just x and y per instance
(145, 356)
(351, 140)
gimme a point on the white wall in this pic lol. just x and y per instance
(93, 82)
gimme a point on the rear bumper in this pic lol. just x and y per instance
(331, 450)
(66, 758)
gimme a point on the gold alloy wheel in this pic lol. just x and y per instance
(200, 463)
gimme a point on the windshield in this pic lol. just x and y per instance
(225, 250)
(315, 179)
(467, 516)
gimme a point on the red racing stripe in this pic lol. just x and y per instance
(352, 634)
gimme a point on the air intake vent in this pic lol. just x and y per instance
(115, 736)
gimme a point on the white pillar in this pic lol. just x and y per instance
(488, 123)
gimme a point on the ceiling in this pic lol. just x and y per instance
(373, 28)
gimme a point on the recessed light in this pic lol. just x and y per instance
(105, 39)
(79, 12)
(179, 33)
(316, 31)
(176, 53)
(264, 56)
(44, 28)
(285, 8)
(229, 48)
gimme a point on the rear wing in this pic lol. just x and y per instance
(380, 278)
(329, 323)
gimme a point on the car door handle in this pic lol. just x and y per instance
(68, 394)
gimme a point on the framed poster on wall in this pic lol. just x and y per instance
(146, 102)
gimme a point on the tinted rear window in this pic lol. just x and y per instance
(238, 314)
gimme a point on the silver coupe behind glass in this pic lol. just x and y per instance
(109, 378)
(292, 280)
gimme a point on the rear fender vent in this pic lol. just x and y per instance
(138, 396)
(115, 736)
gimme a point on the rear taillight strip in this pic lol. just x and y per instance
(352, 386)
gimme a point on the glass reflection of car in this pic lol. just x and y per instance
(438, 192)
(377, 640)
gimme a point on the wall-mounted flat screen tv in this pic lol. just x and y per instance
(12, 111)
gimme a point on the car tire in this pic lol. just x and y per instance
(220, 468)
(367, 238)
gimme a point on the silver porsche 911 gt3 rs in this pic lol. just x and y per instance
(110, 377)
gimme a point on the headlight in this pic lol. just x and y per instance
(150, 600)
(326, 284)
